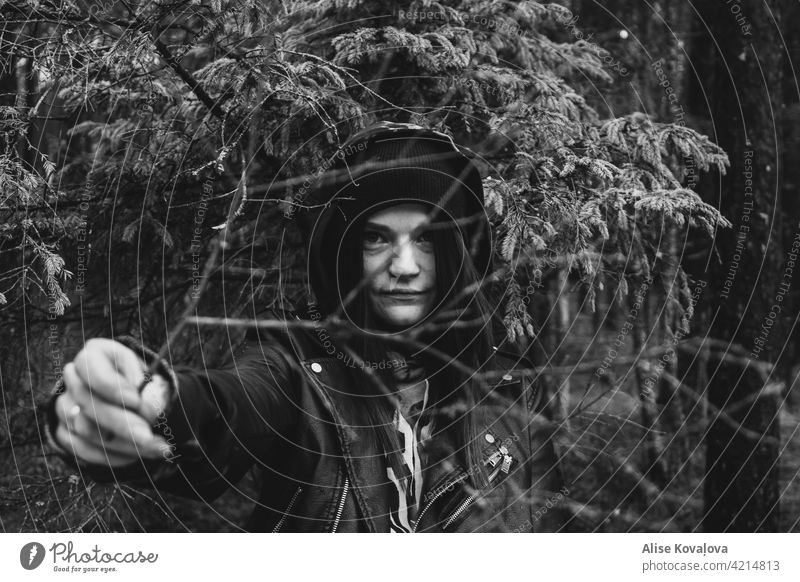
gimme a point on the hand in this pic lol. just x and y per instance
(102, 416)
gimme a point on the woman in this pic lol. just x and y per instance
(386, 407)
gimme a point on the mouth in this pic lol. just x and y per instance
(404, 292)
(404, 295)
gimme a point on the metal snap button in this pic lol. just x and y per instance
(315, 367)
(489, 438)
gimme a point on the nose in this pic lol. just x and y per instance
(404, 261)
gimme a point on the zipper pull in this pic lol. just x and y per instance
(506, 466)
(494, 474)
(494, 459)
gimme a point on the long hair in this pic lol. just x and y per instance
(456, 345)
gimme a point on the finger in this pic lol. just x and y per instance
(78, 390)
(96, 365)
(113, 389)
(102, 422)
(65, 410)
(72, 380)
(68, 407)
(89, 400)
(72, 420)
(122, 423)
(85, 428)
(62, 405)
(127, 362)
(89, 452)
(116, 447)
(89, 432)
(155, 397)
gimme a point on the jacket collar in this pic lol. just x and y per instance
(366, 467)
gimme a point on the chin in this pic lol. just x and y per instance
(402, 317)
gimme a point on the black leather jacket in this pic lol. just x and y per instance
(284, 408)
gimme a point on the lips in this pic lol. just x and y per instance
(404, 295)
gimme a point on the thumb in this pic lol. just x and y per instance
(155, 398)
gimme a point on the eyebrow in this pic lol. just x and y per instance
(387, 229)
(389, 232)
(377, 226)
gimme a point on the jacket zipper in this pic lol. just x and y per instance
(439, 493)
(340, 509)
(460, 510)
(286, 511)
(493, 461)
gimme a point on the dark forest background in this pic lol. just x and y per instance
(639, 162)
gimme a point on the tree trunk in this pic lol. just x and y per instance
(790, 182)
(737, 60)
(671, 418)
(654, 468)
(564, 320)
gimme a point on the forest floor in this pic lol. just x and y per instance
(606, 461)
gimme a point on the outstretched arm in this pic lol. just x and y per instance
(191, 431)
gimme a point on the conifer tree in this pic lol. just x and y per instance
(155, 114)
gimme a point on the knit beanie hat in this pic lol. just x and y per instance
(397, 169)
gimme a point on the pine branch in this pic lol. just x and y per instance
(212, 105)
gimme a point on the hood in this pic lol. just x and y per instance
(385, 164)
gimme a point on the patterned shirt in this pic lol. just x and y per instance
(412, 431)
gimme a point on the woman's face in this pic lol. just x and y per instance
(399, 265)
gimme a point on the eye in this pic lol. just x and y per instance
(372, 239)
(425, 239)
